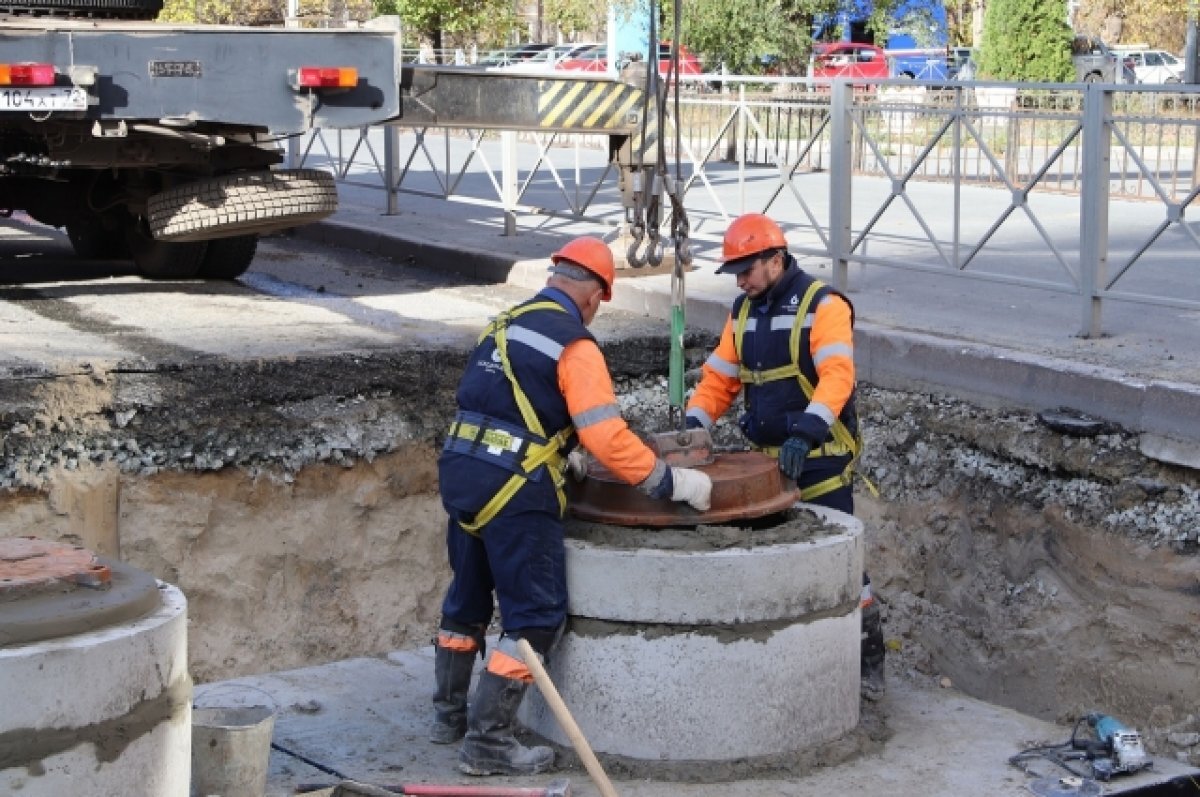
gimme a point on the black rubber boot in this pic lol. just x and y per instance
(452, 674)
(873, 681)
(490, 747)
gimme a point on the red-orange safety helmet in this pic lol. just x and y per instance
(749, 234)
(594, 255)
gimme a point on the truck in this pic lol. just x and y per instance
(161, 144)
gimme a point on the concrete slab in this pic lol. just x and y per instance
(366, 719)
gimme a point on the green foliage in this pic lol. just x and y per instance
(921, 23)
(439, 20)
(879, 21)
(574, 17)
(311, 13)
(1026, 40)
(738, 33)
(223, 12)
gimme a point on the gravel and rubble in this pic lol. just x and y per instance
(916, 443)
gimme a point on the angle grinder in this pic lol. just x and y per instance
(1117, 749)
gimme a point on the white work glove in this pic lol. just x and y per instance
(692, 486)
(577, 465)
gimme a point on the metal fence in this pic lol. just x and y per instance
(1080, 189)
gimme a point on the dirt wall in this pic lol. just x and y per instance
(295, 505)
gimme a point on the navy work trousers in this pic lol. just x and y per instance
(519, 557)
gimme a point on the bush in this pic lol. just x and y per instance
(1026, 40)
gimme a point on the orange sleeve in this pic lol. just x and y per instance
(585, 384)
(719, 382)
(832, 346)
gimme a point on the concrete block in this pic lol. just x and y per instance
(731, 586)
(101, 710)
(695, 695)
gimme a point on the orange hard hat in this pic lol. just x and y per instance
(749, 234)
(594, 255)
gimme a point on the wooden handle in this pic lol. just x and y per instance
(565, 720)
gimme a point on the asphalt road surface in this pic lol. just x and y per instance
(299, 297)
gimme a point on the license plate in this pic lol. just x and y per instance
(43, 99)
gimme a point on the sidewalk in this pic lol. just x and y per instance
(984, 341)
(366, 719)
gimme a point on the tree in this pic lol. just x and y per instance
(960, 22)
(1160, 23)
(223, 12)
(1026, 40)
(1157, 23)
(439, 21)
(263, 12)
(740, 33)
(573, 17)
(734, 33)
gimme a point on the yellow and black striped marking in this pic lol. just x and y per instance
(588, 105)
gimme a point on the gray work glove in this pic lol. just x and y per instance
(577, 465)
(693, 487)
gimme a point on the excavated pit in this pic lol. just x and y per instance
(294, 503)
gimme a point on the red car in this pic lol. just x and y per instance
(596, 60)
(849, 60)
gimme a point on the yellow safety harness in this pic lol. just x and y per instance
(844, 442)
(534, 453)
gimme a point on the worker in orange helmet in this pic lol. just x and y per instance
(789, 344)
(535, 386)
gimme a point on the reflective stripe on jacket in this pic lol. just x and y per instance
(473, 468)
(585, 382)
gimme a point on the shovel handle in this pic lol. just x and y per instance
(565, 720)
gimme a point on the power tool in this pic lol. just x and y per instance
(1116, 748)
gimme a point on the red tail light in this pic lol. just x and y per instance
(327, 77)
(26, 74)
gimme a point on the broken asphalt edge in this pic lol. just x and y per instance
(1161, 411)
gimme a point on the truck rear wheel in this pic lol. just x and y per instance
(235, 204)
(164, 260)
(228, 258)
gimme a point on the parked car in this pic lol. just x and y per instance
(847, 60)
(596, 60)
(1154, 66)
(1095, 62)
(548, 59)
(514, 54)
